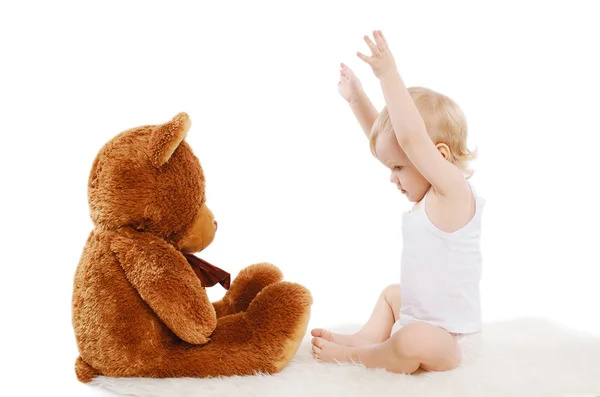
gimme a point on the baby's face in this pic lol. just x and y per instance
(403, 173)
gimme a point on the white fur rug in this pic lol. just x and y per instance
(525, 357)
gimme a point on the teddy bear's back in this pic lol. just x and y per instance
(112, 323)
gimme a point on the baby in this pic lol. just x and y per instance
(421, 137)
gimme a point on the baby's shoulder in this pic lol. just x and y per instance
(450, 214)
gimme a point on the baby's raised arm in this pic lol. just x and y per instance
(351, 90)
(432, 160)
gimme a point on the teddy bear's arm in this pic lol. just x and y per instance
(167, 283)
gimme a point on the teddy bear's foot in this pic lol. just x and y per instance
(249, 282)
(278, 318)
(84, 371)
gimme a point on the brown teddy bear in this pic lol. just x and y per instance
(139, 306)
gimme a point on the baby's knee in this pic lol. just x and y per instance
(391, 290)
(391, 294)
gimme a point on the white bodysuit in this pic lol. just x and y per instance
(440, 272)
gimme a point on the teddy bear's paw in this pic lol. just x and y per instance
(278, 317)
(249, 282)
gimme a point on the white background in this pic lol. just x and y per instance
(289, 174)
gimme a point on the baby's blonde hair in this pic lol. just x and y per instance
(445, 123)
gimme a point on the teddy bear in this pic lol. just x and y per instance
(139, 303)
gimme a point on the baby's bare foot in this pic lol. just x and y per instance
(340, 339)
(327, 351)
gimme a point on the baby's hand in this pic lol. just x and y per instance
(382, 62)
(349, 85)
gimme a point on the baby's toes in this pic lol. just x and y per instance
(316, 352)
(321, 333)
(318, 342)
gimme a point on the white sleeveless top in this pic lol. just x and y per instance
(441, 271)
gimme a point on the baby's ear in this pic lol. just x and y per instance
(445, 151)
(167, 137)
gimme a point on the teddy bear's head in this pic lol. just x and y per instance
(148, 179)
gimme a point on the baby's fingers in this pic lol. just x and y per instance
(380, 40)
(364, 57)
(346, 71)
(372, 46)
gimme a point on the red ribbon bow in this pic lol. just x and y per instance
(208, 274)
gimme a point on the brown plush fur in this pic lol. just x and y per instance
(138, 308)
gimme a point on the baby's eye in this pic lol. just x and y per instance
(397, 167)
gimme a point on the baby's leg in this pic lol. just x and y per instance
(379, 326)
(414, 346)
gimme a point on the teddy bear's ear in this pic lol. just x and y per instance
(166, 138)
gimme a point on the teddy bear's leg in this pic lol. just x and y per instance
(261, 340)
(84, 371)
(249, 282)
